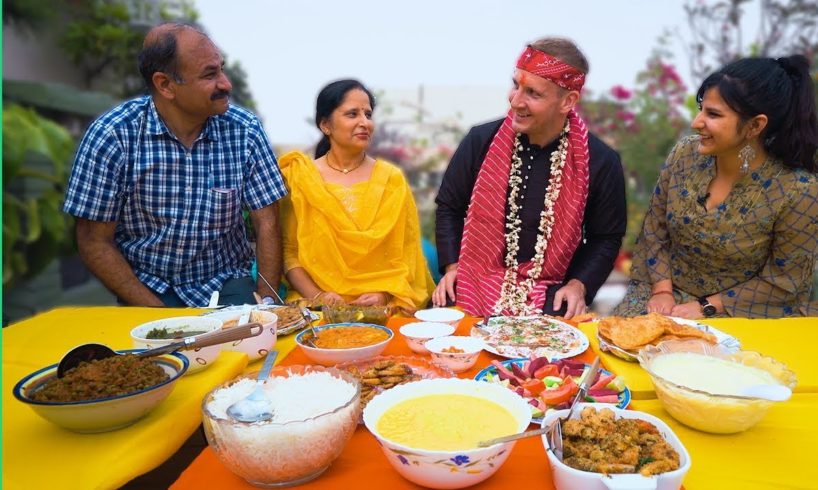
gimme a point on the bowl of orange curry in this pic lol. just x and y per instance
(344, 342)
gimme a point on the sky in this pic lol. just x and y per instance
(291, 49)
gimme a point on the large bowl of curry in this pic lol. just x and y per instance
(343, 342)
(102, 395)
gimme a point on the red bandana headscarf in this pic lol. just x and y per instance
(481, 266)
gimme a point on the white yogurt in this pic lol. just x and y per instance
(709, 374)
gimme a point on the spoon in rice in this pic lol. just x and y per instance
(256, 407)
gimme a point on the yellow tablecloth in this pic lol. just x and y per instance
(37, 454)
(788, 340)
(776, 453)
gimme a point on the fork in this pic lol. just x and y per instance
(554, 435)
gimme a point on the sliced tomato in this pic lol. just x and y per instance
(561, 394)
(534, 386)
(547, 370)
(603, 381)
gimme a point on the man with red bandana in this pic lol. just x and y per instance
(531, 211)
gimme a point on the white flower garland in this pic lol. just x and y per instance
(514, 296)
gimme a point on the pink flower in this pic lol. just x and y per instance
(621, 93)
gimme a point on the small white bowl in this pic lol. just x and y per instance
(416, 334)
(566, 478)
(255, 347)
(330, 357)
(446, 469)
(198, 359)
(440, 315)
(456, 361)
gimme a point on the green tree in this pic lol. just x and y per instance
(36, 153)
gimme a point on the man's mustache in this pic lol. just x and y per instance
(220, 94)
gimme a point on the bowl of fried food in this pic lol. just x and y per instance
(606, 447)
(704, 387)
(345, 313)
(625, 337)
(342, 342)
(102, 395)
(385, 372)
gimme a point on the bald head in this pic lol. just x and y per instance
(160, 50)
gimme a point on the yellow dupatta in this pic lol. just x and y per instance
(375, 250)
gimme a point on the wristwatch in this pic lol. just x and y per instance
(707, 308)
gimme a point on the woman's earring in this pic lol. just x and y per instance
(746, 154)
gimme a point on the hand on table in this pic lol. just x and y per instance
(328, 298)
(371, 299)
(445, 288)
(661, 303)
(573, 293)
(691, 310)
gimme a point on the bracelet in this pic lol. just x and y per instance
(661, 292)
(319, 293)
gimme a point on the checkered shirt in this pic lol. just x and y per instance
(178, 210)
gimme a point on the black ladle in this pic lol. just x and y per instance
(91, 352)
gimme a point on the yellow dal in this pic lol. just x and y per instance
(445, 422)
(349, 337)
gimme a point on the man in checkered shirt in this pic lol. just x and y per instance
(159, 183)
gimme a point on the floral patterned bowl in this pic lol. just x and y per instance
(446, 469)
(455, 352)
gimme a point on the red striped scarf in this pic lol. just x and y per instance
(481, 266)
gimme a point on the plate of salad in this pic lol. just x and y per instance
(552, 385)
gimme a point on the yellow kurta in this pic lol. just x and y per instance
(353, 240)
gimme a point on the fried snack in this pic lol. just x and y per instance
(686, 331)
(634, 333)
(381, 376)
(575, 320)
(600, 443)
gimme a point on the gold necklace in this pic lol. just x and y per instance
(346, 170)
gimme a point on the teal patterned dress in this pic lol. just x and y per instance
(757, 248)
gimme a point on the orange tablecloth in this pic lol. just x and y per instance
(363, 465)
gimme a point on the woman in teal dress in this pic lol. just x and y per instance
(732, 228)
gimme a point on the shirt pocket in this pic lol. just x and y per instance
(222, 209)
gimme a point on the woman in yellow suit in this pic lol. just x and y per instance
(350, 224)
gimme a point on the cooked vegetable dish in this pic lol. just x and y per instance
(164, 333)
(105, 378)
(349, 337)
(600, 443)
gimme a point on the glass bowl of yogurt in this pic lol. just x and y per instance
(700, 384)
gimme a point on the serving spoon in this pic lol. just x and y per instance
(92, 352)
(775, 393)
(257, 406)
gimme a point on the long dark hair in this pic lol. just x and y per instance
(782, 90)
(329, 98)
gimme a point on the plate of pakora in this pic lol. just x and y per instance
(531, 336)
(625, 337)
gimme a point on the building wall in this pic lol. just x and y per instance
(36, 57)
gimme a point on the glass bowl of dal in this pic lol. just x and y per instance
(108, 395)
(698, 383)
(316, 411)
(344, 342)
(429, 429)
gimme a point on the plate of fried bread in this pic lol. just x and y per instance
(624, 337)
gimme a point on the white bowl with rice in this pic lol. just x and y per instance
(316, 411)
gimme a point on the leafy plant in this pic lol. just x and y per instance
(36, 152)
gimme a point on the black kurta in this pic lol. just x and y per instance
(605, 212)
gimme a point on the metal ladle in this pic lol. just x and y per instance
(91, 352)
(256, 407)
